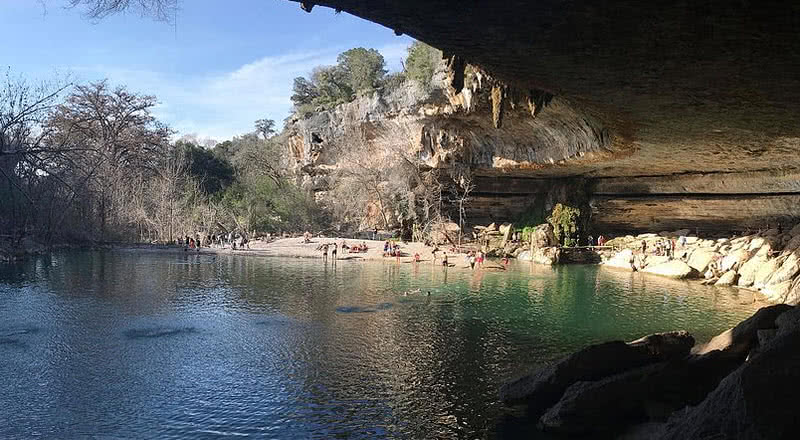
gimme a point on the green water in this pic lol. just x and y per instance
(142, 344)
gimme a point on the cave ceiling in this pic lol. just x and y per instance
(678, 86)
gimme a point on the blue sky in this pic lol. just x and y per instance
(218, 68)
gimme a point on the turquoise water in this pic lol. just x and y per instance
(155, 345)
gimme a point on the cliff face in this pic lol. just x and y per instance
(678, 114)
(532, 162)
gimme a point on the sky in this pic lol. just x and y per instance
(219, 67)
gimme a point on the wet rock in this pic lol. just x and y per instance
(727, 279)
(672, 269)
(542, 389)
(742, 338)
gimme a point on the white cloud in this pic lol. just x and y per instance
(224, 105)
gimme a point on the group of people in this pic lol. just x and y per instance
(391, 249)
(472, 258)
(664, 247)
(214, 240)
(600, 240)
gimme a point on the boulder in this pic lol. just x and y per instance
(700, 259)
(655, 260)
(612, 404)
(681, 232)
(787, 271)
(777, 292)
(734, 260)
(793, 244)
(756, 243)
(545, 387)
(506, 230)
(622, 260)
(774, 232)
(543, 236)
(742, 338)
(672, 269)
(747, 273)
(548, 256)
(795, 231)
(727, 279)
(757, 401)
(765, 271)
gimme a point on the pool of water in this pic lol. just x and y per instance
(132, 344)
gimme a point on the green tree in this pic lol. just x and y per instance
(364, 69)
(422, 62)
(565, 223)
(214, 173)
(304, 92)
(265, 127)
(333, 86)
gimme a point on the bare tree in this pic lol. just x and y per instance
(111, 137)
(163, 10)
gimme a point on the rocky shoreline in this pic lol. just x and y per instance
(767, 262)
(740, 385)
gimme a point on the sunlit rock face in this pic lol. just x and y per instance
(660, 96)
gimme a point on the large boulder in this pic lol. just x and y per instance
(777, 292)
(742, 338)
(747, 273)
(612, 404)
(655, 260)
(622, 260)
(672, 269)
(701, 259)
(793, 244)
(757, 401)
(795, 231)
(727, 279)
(542, 389)
(734, 260)
(543, 236)
(764, 272)
(787, 271)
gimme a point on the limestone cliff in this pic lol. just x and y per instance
(677, 114)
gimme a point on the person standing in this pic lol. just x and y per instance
(325, 252)
(444, 260)
(334, 251)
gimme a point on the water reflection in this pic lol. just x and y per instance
(137, 344)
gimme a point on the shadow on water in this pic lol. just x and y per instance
(13, 337)
(359, 309)
(157, 332)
